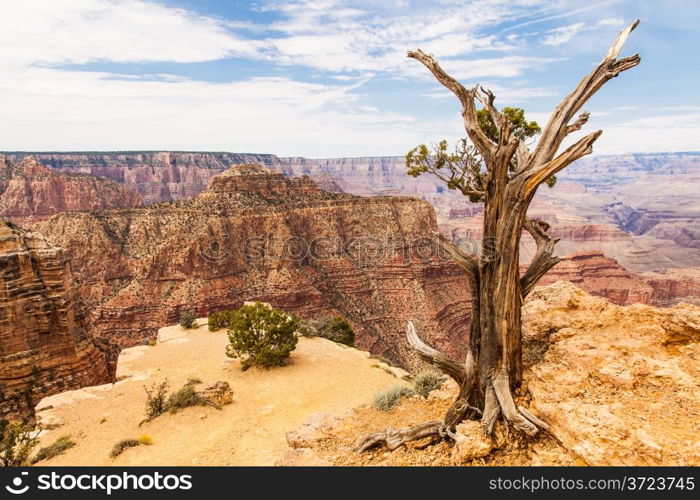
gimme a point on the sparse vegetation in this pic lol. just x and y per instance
(145, 439)
(220, 319)
(58, 447)
(185, 397)
(261, 336)
(123, 445)
(156, 400)
(427, 381)
(187, 319)
(338, 330)
(17, 440)
(534, 351)
(387, 399)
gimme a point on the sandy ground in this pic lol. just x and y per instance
(321, 377)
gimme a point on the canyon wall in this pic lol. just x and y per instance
(46, 339)
(257, 235)
(640, 209)
(31, 192)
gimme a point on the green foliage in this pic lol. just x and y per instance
(122, 445)
(17, 440)
(519, 126)
(156, 400)
(387, 399)
(338, 330)
(185, 397)
(58, 447)
(261, 336)
(220, 319)
(427, 381)
(463, 169)
(187, 319)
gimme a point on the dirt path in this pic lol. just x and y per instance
(322, 377)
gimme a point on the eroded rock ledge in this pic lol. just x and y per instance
(46, 338)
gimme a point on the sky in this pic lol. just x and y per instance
(330, 78)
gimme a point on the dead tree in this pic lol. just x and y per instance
(505, 179)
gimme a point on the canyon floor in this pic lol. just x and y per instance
(250, 431)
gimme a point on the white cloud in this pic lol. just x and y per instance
(558, 36)
(82, 31)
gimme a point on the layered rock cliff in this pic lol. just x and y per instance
(46, 339)
(600, 275)
(30, 192)
(256, 235)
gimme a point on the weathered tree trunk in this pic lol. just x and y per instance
(493, 365)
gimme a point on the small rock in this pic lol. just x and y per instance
(470, 442)
(316, 428)
(218, 392)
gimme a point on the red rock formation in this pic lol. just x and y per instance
(46, 341)
(30, 192)
(600, 275)
(674, 286)
(256, 235)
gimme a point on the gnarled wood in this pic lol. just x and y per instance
(394, 438)
(448, 366)
(493, 366)
(543, 260)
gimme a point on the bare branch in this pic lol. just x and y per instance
(557, 128)
(466, 97)
(581, 148)
(580, 122)
(435, 357)
(468, 262)
(543, 260)
(486, 97)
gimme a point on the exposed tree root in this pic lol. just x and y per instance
(498, 400)
(394, 438)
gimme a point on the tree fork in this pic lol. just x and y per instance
(493, 365)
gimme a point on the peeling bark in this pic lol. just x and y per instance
(493, 365)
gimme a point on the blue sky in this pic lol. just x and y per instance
(325, 78)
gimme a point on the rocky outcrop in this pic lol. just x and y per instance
(674, 286)
(617, 385)
(600, 275)
(46, 338)
(31, 192)
(256, 235)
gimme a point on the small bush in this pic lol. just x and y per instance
(261, 336)
(156, 400)
(184, 398)
(338, 330)
(534, 351)
(220, 319)
(145, 439)
(17, 440)
(309, 327)
(387, 399)
(187, 319)
(58, 447)
(426, 382)
(123, 445)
